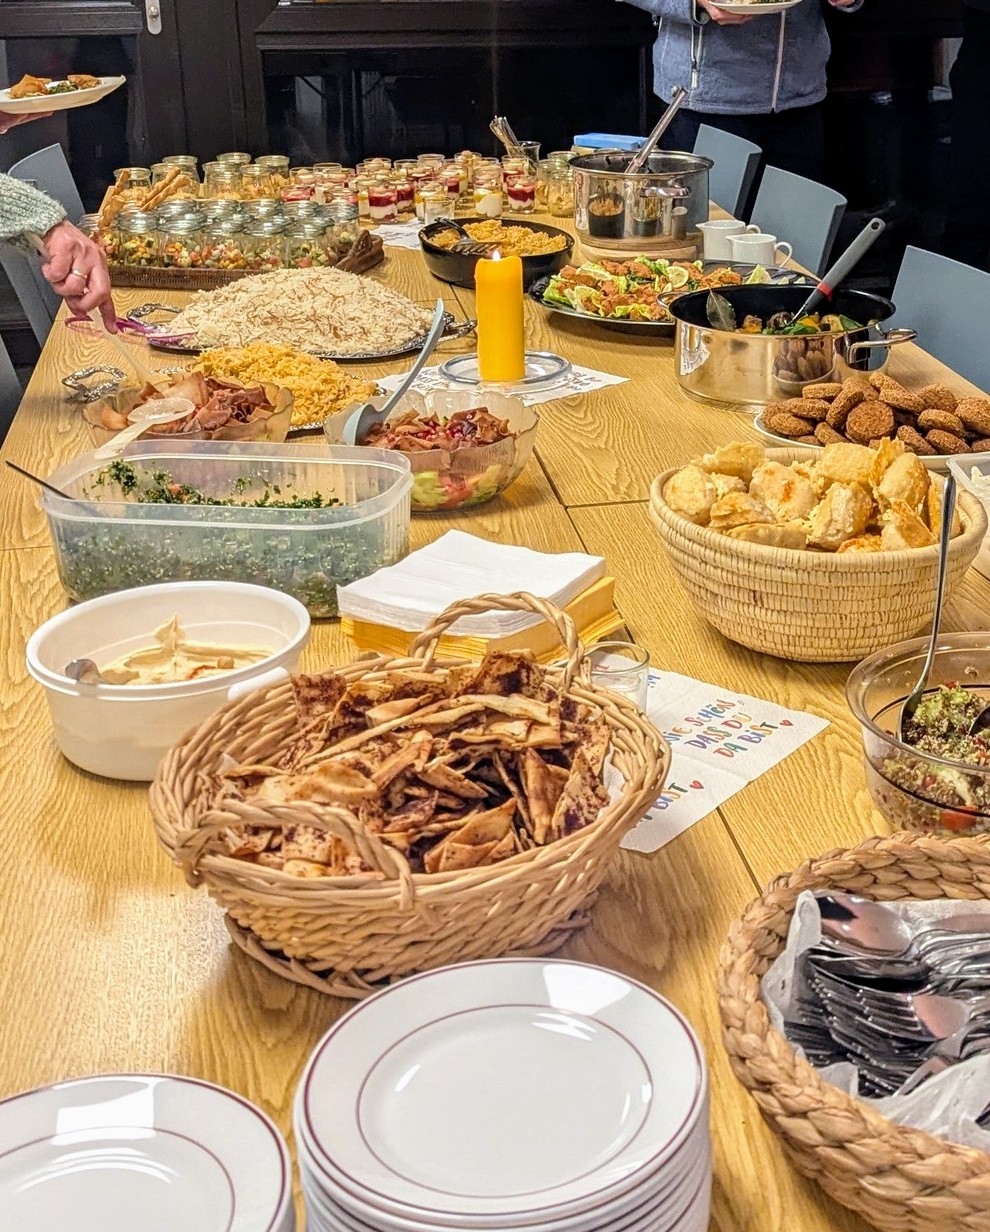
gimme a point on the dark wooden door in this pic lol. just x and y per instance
(141, 122)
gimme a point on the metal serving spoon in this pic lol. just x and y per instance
(945, 538)
(360, 422)
(638, 160)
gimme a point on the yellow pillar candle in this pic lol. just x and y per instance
(501, 349)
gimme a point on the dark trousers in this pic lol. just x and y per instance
(792, 140)
(967, 237)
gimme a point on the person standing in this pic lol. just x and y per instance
(966, 237)
(761, 77)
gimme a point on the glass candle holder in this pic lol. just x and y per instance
(621, 667)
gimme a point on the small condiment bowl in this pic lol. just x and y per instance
(915, 790)
(122, 731)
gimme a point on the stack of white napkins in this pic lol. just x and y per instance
(458, 566)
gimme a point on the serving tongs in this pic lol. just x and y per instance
(827, 284)
(466, 245)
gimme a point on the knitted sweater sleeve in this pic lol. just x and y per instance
(22, 209)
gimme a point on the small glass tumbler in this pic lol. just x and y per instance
(621, 667)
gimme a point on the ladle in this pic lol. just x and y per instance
(638, 160)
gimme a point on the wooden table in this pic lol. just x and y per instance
(112, 963)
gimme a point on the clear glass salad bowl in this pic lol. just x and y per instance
(916, 790)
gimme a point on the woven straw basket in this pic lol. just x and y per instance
(901, 1180)
(346, 935)
(815, 607)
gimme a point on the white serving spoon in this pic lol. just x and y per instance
(162, 410)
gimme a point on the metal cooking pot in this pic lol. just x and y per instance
(718, 366)
(655, 210)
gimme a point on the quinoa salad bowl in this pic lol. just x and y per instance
(938, 779)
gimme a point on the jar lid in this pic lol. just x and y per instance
(274, 160)
(262, 207)
(225, 226)
(184, 225)
(138, 222)
(307, 229)
(265, 226)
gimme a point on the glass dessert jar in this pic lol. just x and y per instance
(405, 195)
(277, 166)
(256, 183)
(236, 158)
(521, 192)
(264, 244)
(382, 202)
(137, 239)
(223, 183)
(487, 191)
(343, 226)
(181, 243)
(186, 162)
(222, 245)
(435, 202)
(137, 183)
(306, 245)
(560, 192)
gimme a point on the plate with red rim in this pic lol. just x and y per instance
(41, 104)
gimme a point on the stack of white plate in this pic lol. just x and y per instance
(141, 1153)
(524, 1094)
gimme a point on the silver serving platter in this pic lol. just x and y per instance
(187, 346)
(778, 276)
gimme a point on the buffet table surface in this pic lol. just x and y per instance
(113, 964)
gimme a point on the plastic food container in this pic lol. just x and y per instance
(108, 541)
(972, 470)
(443, 480)
(122, 731)
(913, 790)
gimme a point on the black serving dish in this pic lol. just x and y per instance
(458, 267)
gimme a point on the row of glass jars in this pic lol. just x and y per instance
(430, 184)
(230, 241)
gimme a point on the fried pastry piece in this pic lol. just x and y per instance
(738, 509)
(691, 492)
(788, 495)
(906, 479)
(844, 513)
(789, 535)
(861, 543)
(739, 458)
(933, 511)
(29, 87)
(844, 464)
(902, 528)
(83, 81)
(724, 484)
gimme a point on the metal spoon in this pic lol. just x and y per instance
(638, 160)
(945, 538)
(85, 671)
(42, 483)
(363, 419)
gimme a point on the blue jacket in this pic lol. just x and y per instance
(772, 63)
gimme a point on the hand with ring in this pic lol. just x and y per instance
(77, 271)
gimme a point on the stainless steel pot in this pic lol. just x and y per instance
(719, 366)
(655, 210)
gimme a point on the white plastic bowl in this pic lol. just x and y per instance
(122, 731)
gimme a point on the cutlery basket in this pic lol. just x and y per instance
(897, 1178)
(348, 935)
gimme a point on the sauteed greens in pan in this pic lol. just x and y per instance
(833, 323)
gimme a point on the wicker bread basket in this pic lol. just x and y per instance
(900, 1179)
(815, 607)
(346, 935)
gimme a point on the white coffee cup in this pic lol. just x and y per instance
(718, 232)
(758, 248)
